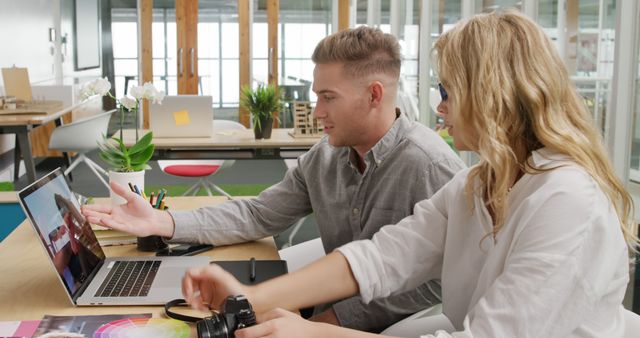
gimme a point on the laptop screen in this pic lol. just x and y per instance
(54, 212)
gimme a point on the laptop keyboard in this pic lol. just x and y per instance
(129, 279)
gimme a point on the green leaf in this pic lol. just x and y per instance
(142, 144)
(140, 167)
(113, 163)
(261, 102)
(143, 156)
(115, 153)
(108, 147)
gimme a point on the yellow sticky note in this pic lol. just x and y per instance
(181, 117)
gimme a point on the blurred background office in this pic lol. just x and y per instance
(214, 47)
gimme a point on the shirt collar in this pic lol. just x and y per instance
(387, 143)
(545, 157)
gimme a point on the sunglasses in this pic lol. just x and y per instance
(443, 93)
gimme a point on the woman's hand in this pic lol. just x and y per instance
(279, 323)
(207, 287)
(136, 217)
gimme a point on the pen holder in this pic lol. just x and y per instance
(151, 243)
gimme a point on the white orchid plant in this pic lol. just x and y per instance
(113, 151)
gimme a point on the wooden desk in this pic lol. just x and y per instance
(22, 124)
(30, 288)
(231, 144)
(8, 197)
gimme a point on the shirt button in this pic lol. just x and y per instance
(356, 211)
(378, 162)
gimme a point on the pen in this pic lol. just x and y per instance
(131, 187)
(252, 267)
(151, 199)
(137, 191)
(159, 199)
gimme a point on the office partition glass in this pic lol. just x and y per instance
(589, 52)
(301, 25)
(485, 6)
(218, 52)
(408, 34)
(444, 15)
(634, 173)
(376, 13)
(124, 30)
(548, 13)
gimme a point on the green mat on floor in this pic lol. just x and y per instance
(6, 186)
(178, 190)
(231, 189)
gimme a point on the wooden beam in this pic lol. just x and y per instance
(244, 24)
(441, 15)
(145, 9)
(191, 53)
(187, 46)
(181, 45)
(343, 14)
(273, 7)
(571, 55)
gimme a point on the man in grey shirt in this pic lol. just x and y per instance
(369, 171)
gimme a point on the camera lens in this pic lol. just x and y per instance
(213, 327)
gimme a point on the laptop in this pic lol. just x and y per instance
(88, 276)
(182, 116)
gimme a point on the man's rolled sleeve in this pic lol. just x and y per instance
(186, 227)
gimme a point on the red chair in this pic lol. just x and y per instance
(202, 169)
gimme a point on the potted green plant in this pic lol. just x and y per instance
(126, 164)
(262, 103)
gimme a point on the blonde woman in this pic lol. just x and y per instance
(533, 241)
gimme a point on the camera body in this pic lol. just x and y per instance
(236, 313)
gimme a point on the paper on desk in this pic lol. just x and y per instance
(25, 328)
(181, 118)
(302, 254)
(225, 133)
(86, 325)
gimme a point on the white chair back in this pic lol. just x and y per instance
(82, 135)
(223, 125)
(219, 125)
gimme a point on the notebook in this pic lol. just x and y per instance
(182, 116)
(75, 254)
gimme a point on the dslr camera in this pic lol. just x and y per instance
(236, 313)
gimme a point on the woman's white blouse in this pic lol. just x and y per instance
(557, 268)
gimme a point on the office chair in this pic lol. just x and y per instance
(82, 136)
(202, 168)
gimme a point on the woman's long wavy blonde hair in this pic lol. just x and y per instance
(513, 95)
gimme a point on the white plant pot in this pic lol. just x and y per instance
(135, 178)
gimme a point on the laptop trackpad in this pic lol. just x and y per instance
(170, 277)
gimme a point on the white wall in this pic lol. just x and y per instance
(24, 42)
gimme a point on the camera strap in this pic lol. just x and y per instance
(178, 316)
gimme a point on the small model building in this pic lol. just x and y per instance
(304, 124)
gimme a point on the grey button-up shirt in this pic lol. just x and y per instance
(409, 164)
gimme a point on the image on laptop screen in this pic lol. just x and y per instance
(64, 232)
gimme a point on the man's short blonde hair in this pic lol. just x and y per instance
(363, 50)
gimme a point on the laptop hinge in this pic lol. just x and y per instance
(85, 285)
